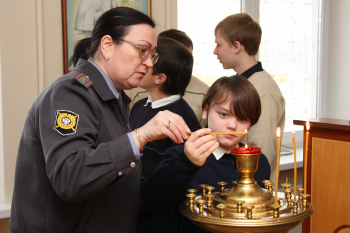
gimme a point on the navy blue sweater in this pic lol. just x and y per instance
(148, 219)
(153, 151)
(166, 187)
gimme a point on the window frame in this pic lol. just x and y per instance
(252, 7)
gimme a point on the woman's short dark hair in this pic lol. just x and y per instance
(244, 98)
(116, 23)
(176, 62)
(179, 36)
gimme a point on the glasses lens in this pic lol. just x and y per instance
(144, 52)
(155, 58)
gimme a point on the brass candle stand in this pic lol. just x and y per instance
(245, 207)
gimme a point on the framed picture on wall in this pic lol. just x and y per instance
(79, 17)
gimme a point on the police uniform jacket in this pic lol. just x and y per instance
(76, 170)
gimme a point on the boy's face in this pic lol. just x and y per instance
(221, 120)
(148, 81)
(224, 52)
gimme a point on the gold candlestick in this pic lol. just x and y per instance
(306, 153)
(295, 169)
(278, 162)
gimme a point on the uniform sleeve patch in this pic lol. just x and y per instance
(66, 122)
(83, 80)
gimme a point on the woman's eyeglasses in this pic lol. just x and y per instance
(145, 51)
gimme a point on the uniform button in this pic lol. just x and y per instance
(132, 164)
(120, 173)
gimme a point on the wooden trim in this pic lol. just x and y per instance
(5, 225)
(326, 123)
(65, 37)
(325, 128)
(340, 228)
(150, 8)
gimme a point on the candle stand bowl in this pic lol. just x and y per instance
(245, 207)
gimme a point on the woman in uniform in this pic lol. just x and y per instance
(78, 165)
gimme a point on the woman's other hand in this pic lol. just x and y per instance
(200, 145)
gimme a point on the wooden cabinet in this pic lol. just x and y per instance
(328, 175)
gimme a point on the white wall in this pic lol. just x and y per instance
(19, 86)
(164, 14)
(338, 61)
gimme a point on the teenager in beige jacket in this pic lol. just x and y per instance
(238, 38)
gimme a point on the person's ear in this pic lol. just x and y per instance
(161, 79)
(205, 112)
(106, 47)
(237, 47)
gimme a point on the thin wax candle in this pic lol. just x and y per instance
(295, 169)
(278, 162)
(306, 153)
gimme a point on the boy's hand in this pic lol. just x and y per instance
(200, 145)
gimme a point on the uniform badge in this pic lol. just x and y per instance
(83, 80)
(66, 122)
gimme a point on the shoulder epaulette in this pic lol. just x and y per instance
(83, 80)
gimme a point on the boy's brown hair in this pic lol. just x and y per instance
(242, 28)
(244, 98)
(179, 36)
(176, 62)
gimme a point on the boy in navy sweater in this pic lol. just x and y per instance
(232, 104)
(165, 83)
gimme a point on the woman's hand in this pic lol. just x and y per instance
(200, 145)
(164, 124)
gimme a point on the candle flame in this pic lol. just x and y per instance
(293, 132)
(246, 146)
(307, 125)
(246, 130)
(278, 132)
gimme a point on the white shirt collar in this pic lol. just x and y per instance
(219, 152)
(162, 102)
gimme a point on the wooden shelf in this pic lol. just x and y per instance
(327, 174)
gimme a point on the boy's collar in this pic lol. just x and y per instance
(219, 152)
(252, 70)
(162, 102)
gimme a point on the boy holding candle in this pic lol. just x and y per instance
(231, 104)
(238, 38)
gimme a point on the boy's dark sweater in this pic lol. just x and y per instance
(166, 187)
(148, 220)
(153, 151)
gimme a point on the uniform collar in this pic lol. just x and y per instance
(99, 83)
(108, 81)
(162, 102)
(252, 70)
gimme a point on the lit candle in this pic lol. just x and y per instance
(278, 162)
(306, 152)
(295, 169)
